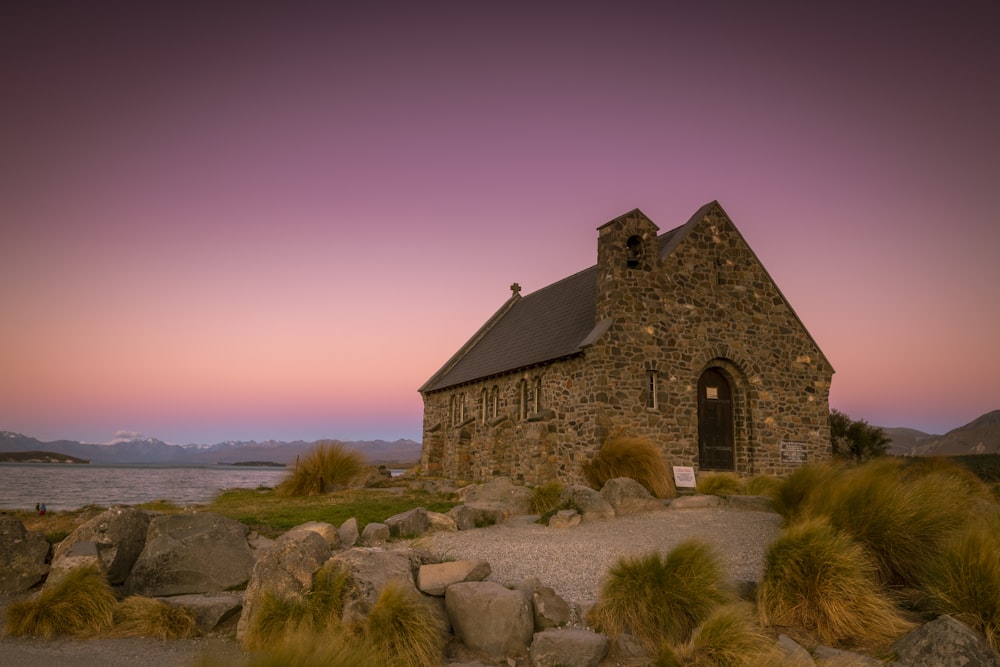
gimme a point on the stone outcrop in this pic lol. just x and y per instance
(22, 556)
(628, 496)
(375, 535)
(500, 493)
(945, 642)
(439, 521)
(325, 530)
(285, 570)
(573, 647)
(212, 611)
(433, 579)
(348, 532)
(591, 504)
(490, 619)
(192, 553)
(410, 523)
(369, 569)
(463, 516)
(117, 535)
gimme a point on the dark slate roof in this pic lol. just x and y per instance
(552, 323)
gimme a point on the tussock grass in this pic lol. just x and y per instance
(637, 458)
(719, 484)
(729, 637)
(964, 579)
(80, 605)
(545, 498)
(404, 629)
(328, 464)
(307, 648)
(763, 485)
(658, 598)
(793, 492)
(141, 616)
(818, 578)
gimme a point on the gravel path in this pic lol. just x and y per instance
(573, 561)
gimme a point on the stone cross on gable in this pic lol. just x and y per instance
(515, 288)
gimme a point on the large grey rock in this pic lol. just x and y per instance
(441, 522)
(369, 569)
(834, 656)
(793, 654)
(489, 618)
(565, 519)
(325, 530)
(500, 492)
(79, 554)
(464, 517)
(434, 578)
(944, 642)
(285, 571)
(22, 556)
(119, 535)
(375, 534)
(212, 611)
(695, 502)
(550, 610)
(348, 532)
(192, 553)
(591, 504)
(628, 496)
(573, 647)
(410, 523)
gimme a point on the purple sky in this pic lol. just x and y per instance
(249, 221)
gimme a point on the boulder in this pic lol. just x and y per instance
(79, 554)
(565, 519)
(945, 642)
(489, 618)
(484, 514)
(793, 654)
(119, 534)
(464, 517)
(22, 556)
(410, 523)
(212, 611)
(695, 502)
(827, 655)
(349, 533)
(285, 571)
(550, 610)
(573, 647)
(202, 552)
(369, 569)
(375, 534)
(628, 496)
(500, 492)
(441, 522)
(591, 504)
(433, 579)
(325, 530)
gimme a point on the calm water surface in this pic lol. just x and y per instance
(67, 486)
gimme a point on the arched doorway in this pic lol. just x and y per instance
(715, 422)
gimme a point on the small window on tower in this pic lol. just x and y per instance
(651, 390)
(634, 249)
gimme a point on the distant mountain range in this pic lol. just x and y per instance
(153, 451)
(980, 436)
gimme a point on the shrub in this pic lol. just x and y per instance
(729, 637)
(637, 458)
(307, 648)
(81, 604)
(856, 440)
(964, 579)
(545, 497)
(328, 463)
(818, 578)
(719, 484)
(404, 629)
(658, 598)
(795, 490)
(141, 616)
(763, 485)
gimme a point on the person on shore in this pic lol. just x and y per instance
(41, 509)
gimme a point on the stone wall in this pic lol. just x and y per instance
(708, 304)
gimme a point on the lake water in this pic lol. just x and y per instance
(71, 486)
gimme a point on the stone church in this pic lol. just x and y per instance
(681, 338)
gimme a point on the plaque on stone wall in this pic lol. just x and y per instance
(684, 477)
(793, 452)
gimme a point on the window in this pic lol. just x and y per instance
(484, 411)
(522, 399)
(633, 248)
(651, 402)
(536, 396)
(494, 402)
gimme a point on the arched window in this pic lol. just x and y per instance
(633, 249)
(651, 402)
(484, 410)
(522, 399)
(494, 402)
(536, 396)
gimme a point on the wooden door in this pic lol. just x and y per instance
(715, 422)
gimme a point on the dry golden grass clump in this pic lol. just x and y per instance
(141, 616)
(657, 598)
(729, 637)
(793, 492)
(719, 484)
(404, 630)
(79, 605)
(327, 465)
(307, 648)
(545, 498)
(819, 579)
(763, 485)
(637, 458)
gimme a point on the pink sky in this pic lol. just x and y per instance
(278, 222)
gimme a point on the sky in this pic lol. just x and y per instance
(235, 221)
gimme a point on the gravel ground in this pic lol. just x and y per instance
(572, 561)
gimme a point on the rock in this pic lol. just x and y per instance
(212, 611)
(591, 505)
(325, 530)
(549, 610)
(500, 492)
(793, 654)
(349, 533)
(573, 647)
(750, 503)
(694, 502)
(628, 496)
(119, 534)
(833, 656)
(191, 553)
(464, 517)
(79, 554)
(285, 571)
(22, 556)
(565, 519)
(410, 523)
(375, 534)
(441, 522)
(627, 646)
(489, 618)
(433, 579)
(484, 514)
(944, 642)
(369, 569)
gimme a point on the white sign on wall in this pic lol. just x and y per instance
(684, 477)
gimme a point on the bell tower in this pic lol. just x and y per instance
(628, 256)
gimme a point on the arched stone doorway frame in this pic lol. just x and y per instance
(741, 375)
